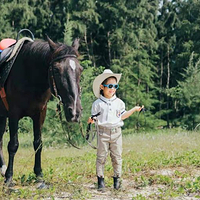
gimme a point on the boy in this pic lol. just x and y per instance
(109, 137)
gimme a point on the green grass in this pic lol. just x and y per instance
(160, 165)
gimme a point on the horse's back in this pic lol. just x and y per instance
(27, 87)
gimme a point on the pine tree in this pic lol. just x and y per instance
(187, 96)
(15, 15)
(85, 21)
(166, 25)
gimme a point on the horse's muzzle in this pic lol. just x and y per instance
(72, 115)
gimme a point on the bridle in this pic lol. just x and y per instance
(55, 91)
(52, 76)
(61, 57)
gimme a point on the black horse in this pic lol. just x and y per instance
(41, 68)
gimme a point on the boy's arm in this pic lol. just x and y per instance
(94, 113)
(131, 111)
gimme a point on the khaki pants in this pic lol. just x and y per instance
(109, 139)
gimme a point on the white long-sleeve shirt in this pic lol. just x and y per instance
(111, 111)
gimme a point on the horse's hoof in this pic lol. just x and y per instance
(39, 179)
(3, 170)
(42, 185)
(9, 183)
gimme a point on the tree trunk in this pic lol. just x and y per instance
(92, 47)
(168, 80)
(109, 48)
(161, 82)
(86, 44)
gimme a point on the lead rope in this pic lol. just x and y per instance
(86, 137)
(59, 111)
(89, 130)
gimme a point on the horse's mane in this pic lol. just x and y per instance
(40, 50)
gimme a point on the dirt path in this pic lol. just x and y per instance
(131, 190)
(127, 192)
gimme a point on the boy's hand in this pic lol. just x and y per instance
(90, 120)
(138, 108)
(93, 118)
(131, 111)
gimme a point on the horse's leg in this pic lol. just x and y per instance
(38, 121)
(12, 148)
(2, 130)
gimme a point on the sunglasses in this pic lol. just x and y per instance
(110, 86)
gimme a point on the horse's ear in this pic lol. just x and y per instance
(52, 44)
(75, 44)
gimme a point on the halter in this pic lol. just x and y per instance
(52, 74)
(61, 57)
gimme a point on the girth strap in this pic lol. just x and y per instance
(3, 97)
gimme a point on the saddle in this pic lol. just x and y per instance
(9, 52)
(8, 55)
(6, 46)
(5, 54)
(10, 47)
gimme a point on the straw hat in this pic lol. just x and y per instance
(99, 79)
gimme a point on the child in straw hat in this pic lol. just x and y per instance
(110, 121)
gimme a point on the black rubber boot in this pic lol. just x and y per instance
(101, 185)
(117, 183)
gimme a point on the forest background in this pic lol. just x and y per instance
(155, 45)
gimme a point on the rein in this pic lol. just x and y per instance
(60, 117)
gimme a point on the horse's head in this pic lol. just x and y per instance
(65, 77)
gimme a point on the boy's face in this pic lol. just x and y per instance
(109, 92)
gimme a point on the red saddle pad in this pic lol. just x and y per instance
(5, 43)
